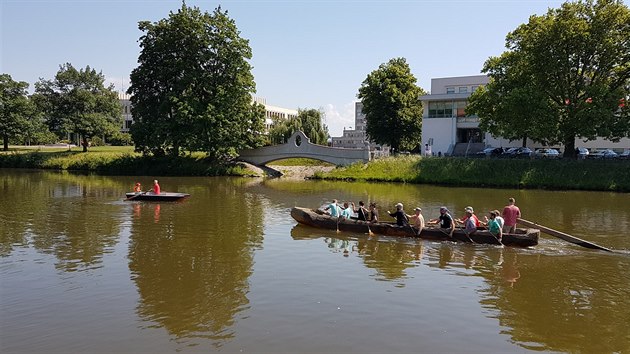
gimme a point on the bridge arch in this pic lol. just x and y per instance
(299, 145)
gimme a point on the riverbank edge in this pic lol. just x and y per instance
(492, 173)
(590, 175)
(124, 163)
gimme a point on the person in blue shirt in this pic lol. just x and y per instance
(333, 208)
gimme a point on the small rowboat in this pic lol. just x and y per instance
(162, 197)
(317, 218)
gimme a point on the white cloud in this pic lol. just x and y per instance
(121, 84)
(339, 117)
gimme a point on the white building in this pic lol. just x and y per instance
(357, 138)
(125, 103)
(448, 130)
(445, 126)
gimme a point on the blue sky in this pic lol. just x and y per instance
(306, 54)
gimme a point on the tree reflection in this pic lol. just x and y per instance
(57, 214)
(191, 265)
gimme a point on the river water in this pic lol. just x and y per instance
(228, 270)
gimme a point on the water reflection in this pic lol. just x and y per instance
(54, 213)
(542, 300)
(191, 262)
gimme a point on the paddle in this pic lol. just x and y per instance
(136, 196)
(562, 235)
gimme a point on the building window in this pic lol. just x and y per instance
(474, 88)
(450, 90)
(440, 109)
(128, 124)
(463, 89)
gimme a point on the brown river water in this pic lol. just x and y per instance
(228, 270)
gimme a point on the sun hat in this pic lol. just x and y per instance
(399, 205)
(418, 209)
(469, 209)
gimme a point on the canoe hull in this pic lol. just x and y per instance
(162, 197)
(314, 218)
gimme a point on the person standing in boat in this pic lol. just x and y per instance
(401, 217)
(446, 221)
(373, 212)
(156, 187)
(417, 220)
(333, 208)
(362, 213)
(510, 213)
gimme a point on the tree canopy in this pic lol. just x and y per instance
(392, 107)
(77, 101)
(308, 121)
(15, 108)
(192, 88)
(566, 75)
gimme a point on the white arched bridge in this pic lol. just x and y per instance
(299, 145)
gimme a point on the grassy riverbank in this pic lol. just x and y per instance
(595, 175)
(118, 161)
(505, 173)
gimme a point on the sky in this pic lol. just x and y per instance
(306, 53)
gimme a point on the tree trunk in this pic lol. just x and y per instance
(84, 143)
(525, 141)
(6, 142)
(569, 148)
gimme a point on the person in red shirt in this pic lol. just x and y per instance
(474, 217)
(156, 187)
(510, 213)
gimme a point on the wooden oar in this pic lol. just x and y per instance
(562, 235)
(136, 196)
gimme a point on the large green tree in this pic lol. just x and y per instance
(15, 108)
(308, 121)
(392, 107)
(192, 88)
(566, 75)
(77, 101)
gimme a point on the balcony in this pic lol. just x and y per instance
(467, 122)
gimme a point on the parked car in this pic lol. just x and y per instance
(603, 154)
(547, 153)
(490, 152)
(581, 153)
(625, 155)
(519, 152)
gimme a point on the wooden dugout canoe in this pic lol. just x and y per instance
(316, 218)
(162, 197)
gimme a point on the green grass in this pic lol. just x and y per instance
(508, 173)
(119, 161)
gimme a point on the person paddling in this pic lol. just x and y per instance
(447, 225)
(401, 217)
(417, 220)
(494, 225)
(362, 213)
